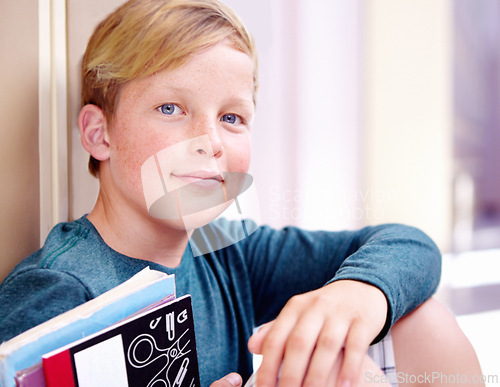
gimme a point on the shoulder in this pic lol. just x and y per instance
(74, 250)
(33, 295)
(221, 233)
(61, 240)
(238, 237)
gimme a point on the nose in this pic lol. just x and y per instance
(216, 153)
(210, 143)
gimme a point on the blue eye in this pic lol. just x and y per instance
(170, 109)
(231, 119)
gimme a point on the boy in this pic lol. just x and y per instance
(172, 83)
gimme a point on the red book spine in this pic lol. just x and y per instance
(58, 370)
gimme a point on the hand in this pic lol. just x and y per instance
(231, 380)
(308, 336)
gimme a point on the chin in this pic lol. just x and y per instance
(195, 220)
(202, 218)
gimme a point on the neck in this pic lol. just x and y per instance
(136, 234)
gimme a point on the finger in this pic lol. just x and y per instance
(298, 349)
(356, 346)
(256, 340)
(327, 352)
(334, 373)
(273, 346)
(231, 380)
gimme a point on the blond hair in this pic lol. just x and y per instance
(143, 37)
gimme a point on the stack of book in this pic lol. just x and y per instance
(137, 334)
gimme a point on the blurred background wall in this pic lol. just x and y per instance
(19, 167)
(476, 124)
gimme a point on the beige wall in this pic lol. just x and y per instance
(408, 114)
(27, 209)
(19, 193)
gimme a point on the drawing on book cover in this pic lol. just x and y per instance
(145, 345)
(159, 351)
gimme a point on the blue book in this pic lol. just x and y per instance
(146, 288)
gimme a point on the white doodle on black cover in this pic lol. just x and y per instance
(182, 317)
(170, 325)
(169, 355)
(154, 323)
(182, 373)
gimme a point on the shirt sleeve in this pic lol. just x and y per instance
(403, 262)
(33, 296)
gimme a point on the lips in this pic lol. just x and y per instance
(206, 179)
(194, 192)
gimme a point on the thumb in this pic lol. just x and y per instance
(230, 380)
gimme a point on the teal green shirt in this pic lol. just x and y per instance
(233, 289)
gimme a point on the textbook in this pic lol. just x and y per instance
(156, 347)
(20, 355)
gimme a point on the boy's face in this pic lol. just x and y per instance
(197, 116)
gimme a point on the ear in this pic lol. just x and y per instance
(94, 132)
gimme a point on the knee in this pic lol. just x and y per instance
(431, 323)
(429, 340)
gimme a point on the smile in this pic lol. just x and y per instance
(205, 179)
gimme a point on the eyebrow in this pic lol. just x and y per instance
(247, 103)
